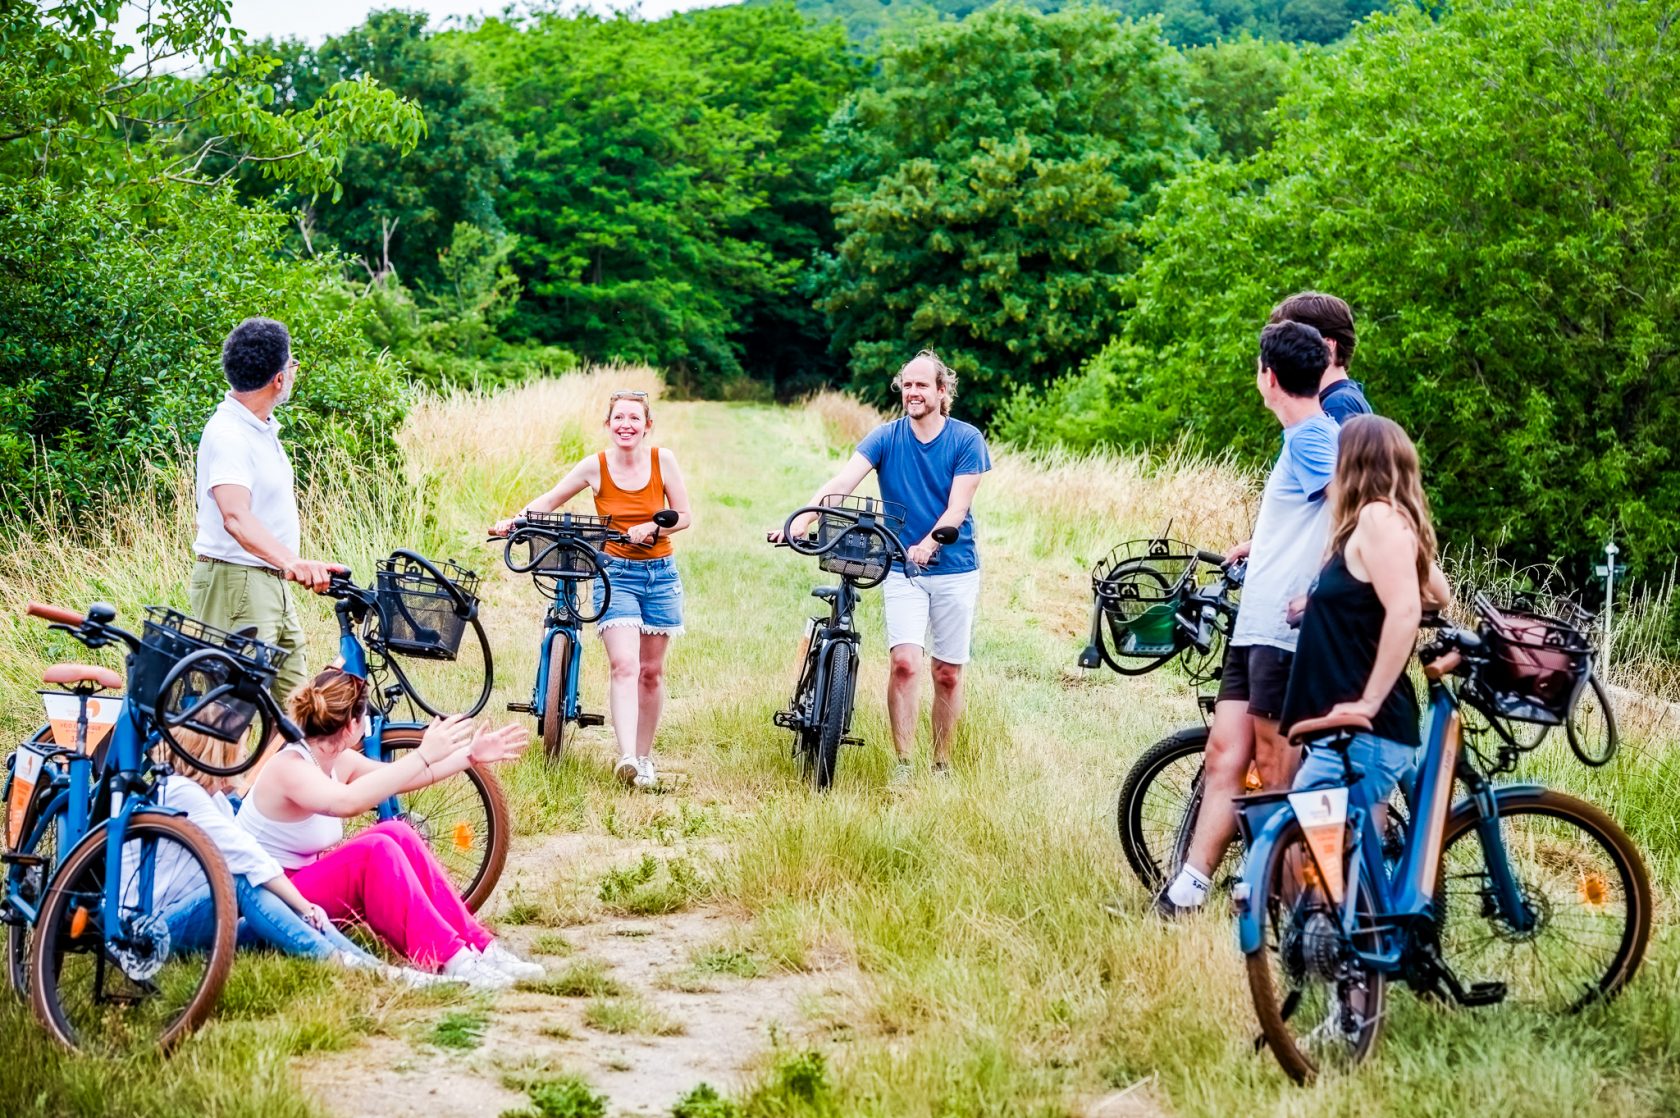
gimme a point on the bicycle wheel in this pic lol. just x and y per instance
(1158, 802)
(1592, 725)
(29, 883)
(837, 709)
(130, 983)
(1583, 883)
(1319, 1006)
(464, 818)
(557, 730)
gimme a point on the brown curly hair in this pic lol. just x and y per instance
(328, 703)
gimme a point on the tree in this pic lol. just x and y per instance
(1495, 196)
(1237, 84)
(1002, 165)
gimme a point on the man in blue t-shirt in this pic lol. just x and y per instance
(930, 465)
(1341, 398)
(1283, 557)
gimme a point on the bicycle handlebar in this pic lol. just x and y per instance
(56, 614)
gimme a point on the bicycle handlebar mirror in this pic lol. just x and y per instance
(666, 518)
(945, 535)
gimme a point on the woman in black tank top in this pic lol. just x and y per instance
(1362, 615)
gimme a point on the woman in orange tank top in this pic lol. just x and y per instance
(631, 481)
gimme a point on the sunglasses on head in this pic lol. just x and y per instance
(628, 395)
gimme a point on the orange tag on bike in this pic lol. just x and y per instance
(64, 711)
(26, 772)
(1322, 813)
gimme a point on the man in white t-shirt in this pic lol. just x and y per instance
(248, 536)
(1283, 558)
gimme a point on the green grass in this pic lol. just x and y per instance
(461, 1030)
(629, 1015)
(990, 981)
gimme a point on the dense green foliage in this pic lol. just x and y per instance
(1494, 194)
(1186, 22)
(1002, 165)
(665, 188)
(123, 262)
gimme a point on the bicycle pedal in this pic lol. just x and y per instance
(1483, 993)
(23, 859)
(851, 741)
(591, 719)
(522, 708)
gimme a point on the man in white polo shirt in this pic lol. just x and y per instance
(248, 536)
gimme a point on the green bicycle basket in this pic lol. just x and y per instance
(1139, 587)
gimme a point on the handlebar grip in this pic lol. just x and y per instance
(53, 613)
(1213, 557)
(946, 535)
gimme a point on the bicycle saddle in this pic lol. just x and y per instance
(1329, 723)
(64, 675)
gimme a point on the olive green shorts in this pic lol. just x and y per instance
(232, 597)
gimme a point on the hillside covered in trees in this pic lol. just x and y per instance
(1088, 211)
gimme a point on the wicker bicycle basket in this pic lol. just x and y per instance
(859, 552)
(418, 614)
(168, 637)
(1537, 662)
(1139, 587)
(565, 560)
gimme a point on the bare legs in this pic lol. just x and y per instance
(1235, 737)
(904, 701)
(636, 687)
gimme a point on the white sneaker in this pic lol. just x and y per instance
(645, 776)
(627, 770)
(510, 964)
(416, 979)
(472, 968)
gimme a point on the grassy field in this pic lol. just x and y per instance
(985, 978)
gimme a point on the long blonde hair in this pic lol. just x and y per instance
(1377, 462)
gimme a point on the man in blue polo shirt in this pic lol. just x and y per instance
(930, 464)
(1341, 397)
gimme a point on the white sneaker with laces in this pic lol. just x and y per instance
(627, 769)
(472, 968)
(646, 777)
(510, 964)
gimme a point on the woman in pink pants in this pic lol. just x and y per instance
(386, 877)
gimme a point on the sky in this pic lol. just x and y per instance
(316, 19)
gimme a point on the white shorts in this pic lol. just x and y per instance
(943, 604)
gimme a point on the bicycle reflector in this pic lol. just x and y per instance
(1322, 813)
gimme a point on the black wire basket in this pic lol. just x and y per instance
(419, 616)
(1537, 662)
(859, 551)
(169, 636)
(566, 560)
(1139, 587)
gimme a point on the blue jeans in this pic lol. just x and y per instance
(265, 920)
(646, 593)
(1382, 763)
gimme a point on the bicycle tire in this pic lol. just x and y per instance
(1154, 845)
(1555, 861)
(557, 729)
(1592, 729)
(61, 922)
(43, 841)
(1275, 1008)
(474, 866)
(835, 714)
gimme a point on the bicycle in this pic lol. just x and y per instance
(561, 553)
(857, 539)
(1148, 599)
(420, 609)
(103, 969)
(1324, 923)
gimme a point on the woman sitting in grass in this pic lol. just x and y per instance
(386, 877)
(271, 910)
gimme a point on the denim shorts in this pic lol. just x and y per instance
(646, 593)
(1383, 763)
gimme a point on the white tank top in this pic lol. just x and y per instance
(292, 844)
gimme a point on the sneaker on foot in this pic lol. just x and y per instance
(900, 777)
(1164, 909)
(942, 770)
(509, 963)
(646, 777)
(417, 979)
(472, 968)
(627, 769)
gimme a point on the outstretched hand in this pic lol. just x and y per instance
(445, 737)
(491, 747)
